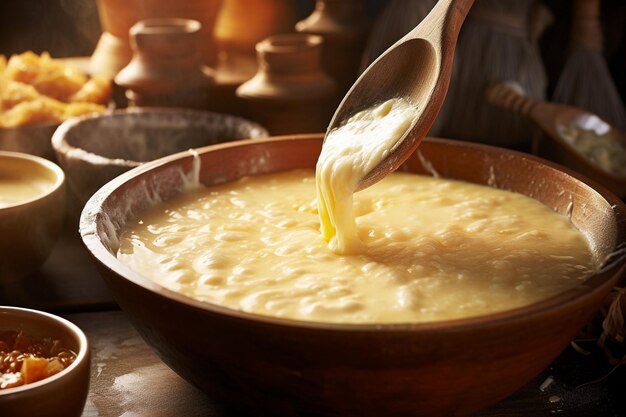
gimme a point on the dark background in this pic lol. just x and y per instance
(71, 28)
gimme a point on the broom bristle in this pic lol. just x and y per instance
(488, 52)
(396, 20)
(585, 80)
(586, 83)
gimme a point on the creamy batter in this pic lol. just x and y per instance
(348, 154)
(431, 249)
(17, 189)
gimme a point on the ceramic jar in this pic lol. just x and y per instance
(167, 68)
(290, 93)
(344, 26)
(113, 50)
(240, 25)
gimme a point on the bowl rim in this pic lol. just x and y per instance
(47, 164)
(81, 355)
(51, 124)
(61, 145)
(589, 288)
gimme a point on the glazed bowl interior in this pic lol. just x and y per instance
(140, 135)
(31, 211)
(360, 369)
(595, 213)
(27, 169)
(95, 149)
(62, 394)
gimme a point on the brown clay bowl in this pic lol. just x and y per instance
(31, 139)
(282, 367)
(96, 148)
(60, 395)
(29, 227)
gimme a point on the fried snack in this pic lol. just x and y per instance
(38, 89)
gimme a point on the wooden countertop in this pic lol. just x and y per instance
(128, 379)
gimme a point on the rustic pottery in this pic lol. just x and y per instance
(241, 24)
(60, 395)
(278, 367)
(290, 93)
(344, 26)
(95, 149)
(113, 51)
(166, 69)
(29, 230)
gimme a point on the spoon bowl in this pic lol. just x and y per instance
(417, 68)
(380, 81)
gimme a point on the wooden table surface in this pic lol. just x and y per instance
(129, 380)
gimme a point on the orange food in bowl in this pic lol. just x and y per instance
(24, 359)
(38, 89)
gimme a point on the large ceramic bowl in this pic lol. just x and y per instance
(29, 225)
(281, 367)
(96, 148)
(60, 395)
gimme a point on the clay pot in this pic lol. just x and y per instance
(279, 367)
(113, 51)
(166, 69)
(61, 395)
(241, 24)
(29, 229)
(344, 26)
(94, 149)
(111, 55)
(290, 93)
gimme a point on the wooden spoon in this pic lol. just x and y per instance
(417, 68)
(552, 118)
(549, 117)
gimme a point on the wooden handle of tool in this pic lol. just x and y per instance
(586, 29)
(510, 96)
(586, 9)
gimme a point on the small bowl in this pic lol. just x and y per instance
(97, 148)
(60, 395)
(31, 139)
(281, 367)
(29, 226)
(557, 149)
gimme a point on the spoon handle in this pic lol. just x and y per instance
(442, 25)
(510, 96)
